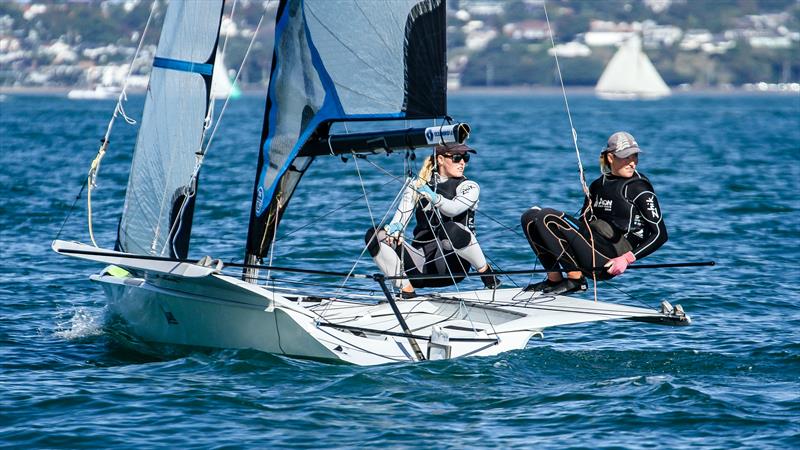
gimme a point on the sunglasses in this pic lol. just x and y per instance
(458, 158)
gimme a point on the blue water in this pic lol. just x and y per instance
(726, 169)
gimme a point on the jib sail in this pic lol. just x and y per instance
(157, 216)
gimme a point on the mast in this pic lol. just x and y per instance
(159, 201)
(342, 61)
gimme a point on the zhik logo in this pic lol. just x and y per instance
(651, 206)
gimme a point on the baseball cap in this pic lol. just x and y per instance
(454, 149)
(622, 144)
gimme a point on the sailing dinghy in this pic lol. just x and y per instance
(333, 62)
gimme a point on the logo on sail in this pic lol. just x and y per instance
(260, 198)
(436, 135)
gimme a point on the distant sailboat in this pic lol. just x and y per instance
(221, 85)
(97, 93)
(630, 75)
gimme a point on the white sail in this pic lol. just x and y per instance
(171, 132)
(631, 75)
(221, 85)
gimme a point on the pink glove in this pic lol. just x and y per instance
(618, 265)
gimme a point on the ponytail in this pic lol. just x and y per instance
(424, 175)
(605, 168)
(425, 172)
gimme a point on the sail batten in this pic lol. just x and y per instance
(337, 60)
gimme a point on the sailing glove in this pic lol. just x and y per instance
(426, 191)
(394, 229)
(618, 265)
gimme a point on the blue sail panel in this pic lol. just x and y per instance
(342, 60)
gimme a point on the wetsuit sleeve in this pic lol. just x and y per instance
(405, 210)
(643, 197)
(466, 198)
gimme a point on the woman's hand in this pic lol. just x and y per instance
(394, 229)
(617, 265)
(394, 233)
(428, 193)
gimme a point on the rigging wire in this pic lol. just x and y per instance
(74, 202)
(577, 150)
(394, 204)
(201, 154)
(119, 109)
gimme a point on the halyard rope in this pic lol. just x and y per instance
(577, 150)
(118, 109)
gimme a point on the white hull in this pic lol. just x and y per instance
(191, 305)
(631, 95)
(98, 93)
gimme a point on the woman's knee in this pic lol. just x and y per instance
(372, 238)
(529, 216)
(537, 214)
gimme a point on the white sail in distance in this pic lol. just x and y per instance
(221, 85)
(631, 75)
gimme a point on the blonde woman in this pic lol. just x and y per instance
(443, 202)
(624, 221)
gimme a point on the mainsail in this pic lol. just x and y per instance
(157, 216)
(630, 75)
(338, 60)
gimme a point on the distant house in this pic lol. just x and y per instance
(655, 35)
(529, 30)
(605, 34)
(570, 50)
(482, 7)
(478, 35)
(768, 39)
(694, 39)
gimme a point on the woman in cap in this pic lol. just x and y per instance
(443, 202)
(621, 217)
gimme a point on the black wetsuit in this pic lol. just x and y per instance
(624, 216)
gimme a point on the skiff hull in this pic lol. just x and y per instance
(172, 303)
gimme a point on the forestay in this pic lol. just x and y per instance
(341, 60)
(156, 218)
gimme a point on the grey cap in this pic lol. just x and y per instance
(454, 149)
(622, 144)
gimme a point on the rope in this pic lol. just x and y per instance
(69, 213)
(201, 153)
(394, 204)
(577, 150)
(235, 79)
(94, 168)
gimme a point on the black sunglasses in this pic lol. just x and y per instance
(458, 158)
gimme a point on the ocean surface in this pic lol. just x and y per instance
(727, 172)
